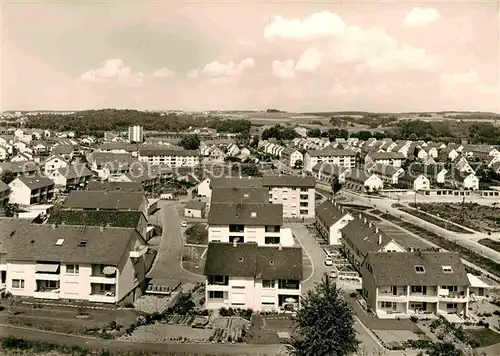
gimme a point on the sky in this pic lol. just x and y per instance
(248, 55)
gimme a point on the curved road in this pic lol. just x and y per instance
(168, 261)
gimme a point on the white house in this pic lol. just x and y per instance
(462, 180)
(3, 153)
(23, 135)
(96, 264)
(389, 174)
(416, 182)
(21, 157)
(359, 179)
(195, 209)
(31, 190)
(54, 162)
(72, 176)
(463, 165)
(170, 157)
(242, 223)
(345, 158)
(387, 158)
(290, 156)
(249, 276)
(326, 172)
(402, 284)
(330, 219)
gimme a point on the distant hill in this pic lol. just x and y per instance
(346, 113)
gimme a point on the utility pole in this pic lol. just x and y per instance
(463, 209)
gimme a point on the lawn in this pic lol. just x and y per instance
(478, 217)
(471, 256)
(197, 234)
(434, 220)
(495, 245)
(484, 337)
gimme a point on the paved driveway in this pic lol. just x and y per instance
(168, 260)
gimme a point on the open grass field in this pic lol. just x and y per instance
(264, 118)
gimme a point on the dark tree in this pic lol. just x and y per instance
(7, 176)
(336, 186)
(190, 142)
(443, 349)
(324, 323)
(314, 133)
(250, 169)
(298, 164)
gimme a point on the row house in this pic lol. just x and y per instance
(74, 176)
(387, 158)
(388, 174)
(25, 168)
(29, 190)
(331, 218)
(292, 156)
(248, 222)
(170, 157)
(271, 148)
(249, 276)
(81, 263)
(327, 172)
(402, 284)
(296, 194)
(361, 180)
(480, 152)
(345, 158)
(233, 150)
(110, 165)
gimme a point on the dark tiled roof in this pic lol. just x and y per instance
(384, 169)
(331, 152)
(358, 175)
(101, 158)
(248, 182)
(19, 167)
(4, 186)
(427, 170)
(35, 242)
(36, 182)
(330, 213)
(118, 146)
(245, 214)
(75, 171)
(329, 169)
(62, 149)
(364, 237)
(116, 186)
(386, 155)
(112, 200)
(288, 181)
(243, 195)
(398, 268)
(144, 151)
(128, 219)
(251, 260)
(195, 205)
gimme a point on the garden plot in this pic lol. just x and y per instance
(167, 333)
(229, 329)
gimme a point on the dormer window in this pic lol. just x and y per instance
(419, 269)
(59, 242)
(447, 269)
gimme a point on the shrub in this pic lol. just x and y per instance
(414, 319)
(353, 295)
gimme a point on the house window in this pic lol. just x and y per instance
(268, 303)
(451, 288)
(272, 228)
(105, 287)
(268, 283)
(236, 228)
(447, 269)
(386, 304)
(272, 240)
(451, 306)
(72, 269)
(419, 269)
(223, 280)
(18, 283)
(215, 294)
(416, 289)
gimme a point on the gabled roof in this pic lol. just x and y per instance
(232, 182)
(195, 205)
(111, 200)
(62, 149)
(75, 171)
(251, 260)
(386, 155)
(333, 170)
(116, 186)
(243, 195)
(146, 151)
(358, 175)
(19, 167)
(331, 152)
(427, 170)
(36, 182)
(245, 214)
(384, 169)
(4, 186)
(398, 268)
(365, 237)
(129, 219)
(289, 181)
(330, 213)
(37, 242)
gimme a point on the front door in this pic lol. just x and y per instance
(394, 290)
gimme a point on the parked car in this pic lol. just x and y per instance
(328, 261)
(184, 223)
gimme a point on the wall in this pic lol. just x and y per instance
(21, 270)
(75, 286)
(129, 268)
(21, 194)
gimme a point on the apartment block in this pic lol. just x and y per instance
(95, 264)
(170, 157)
(344, 158)
(401, 284)
(330, 219)
(31, 190)
(262, 278)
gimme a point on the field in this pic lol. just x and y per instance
(495, 245)
(478, 217)
(434, 220)
(264, 118)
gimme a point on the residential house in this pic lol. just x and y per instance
(170, 157)
(416, 182)
(388, 174)
(65, 151)
(360, 236)
(53, 163)
(29, 190)
(345, 158)
(214, 153)
(146, 178)
(428, 160)
(247, 222)
(359, 179)
(110, 165)
(480, 152)
(246, 195)
(106, 200)
(291, 156)
(23, 135)
(330, 219)
(21, 157)
(19, 145)
(6, 140)
(387, 158)
(71, 177)
(462, 180)
(326, 172)
(4, 193)
(4, 153)
(463, 165)
(19, 168)
(233, 150)
(249, 276)
(95, 264)
(195, 209)
(435, 173)
(402, 284)
(119, 147)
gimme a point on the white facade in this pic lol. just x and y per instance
(348, 160)
(297, 202)
(247, 292)
(171, 159)
(471, 182)
(262, 235)
(421, 183)
(204, 188)
(135, 134)
(54, 163)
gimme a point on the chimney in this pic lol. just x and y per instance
(280, 247)
(235, 244)
(380, 239)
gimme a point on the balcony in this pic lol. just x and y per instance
(103, 279)
(139, 252)
(102, 298)
(446, 295)
(390, 296)
(47, 276)
(47, 294)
